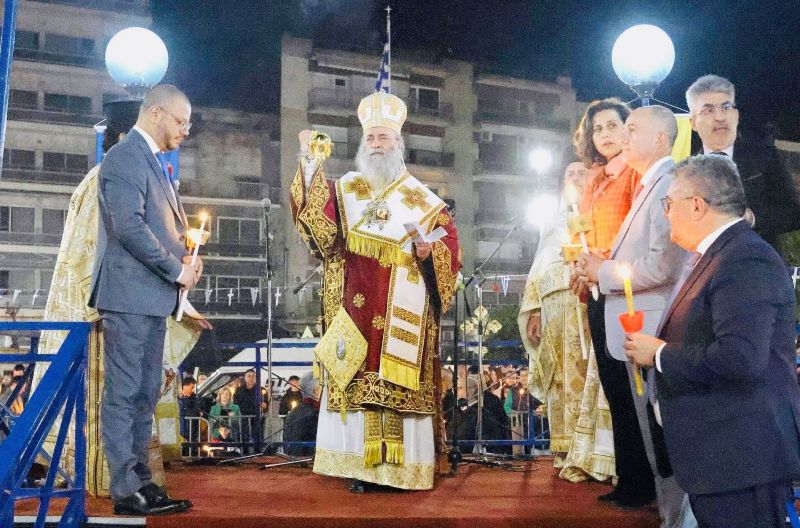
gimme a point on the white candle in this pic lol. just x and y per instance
(572, 196)
(185, 293)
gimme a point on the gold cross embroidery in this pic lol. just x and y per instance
(360, 186)
(414, 198)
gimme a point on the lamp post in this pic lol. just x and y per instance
(642, 57)
(137, 59)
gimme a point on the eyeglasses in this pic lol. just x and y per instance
(711, 109)
(184, 126)
(666, 202)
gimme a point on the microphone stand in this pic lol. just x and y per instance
(268, 270)
(455, 456)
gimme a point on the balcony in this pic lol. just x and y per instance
(129, 7)
(41, 176)
(52, 116)
(499, 165)
(444, 111)
(493, 216)
(430, 158)
(502, 266)
(53, 57)
(30, 239)
(234, 249)
(524, 120)
(238, 190)
(327, 98)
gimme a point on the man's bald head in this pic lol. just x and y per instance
(165, 115)
(164, 96)
(651, 133)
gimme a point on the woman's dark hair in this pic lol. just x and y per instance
(582, 140)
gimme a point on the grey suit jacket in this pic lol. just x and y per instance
(643, 243)
(141, 237)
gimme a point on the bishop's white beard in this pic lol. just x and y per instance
(380, 170)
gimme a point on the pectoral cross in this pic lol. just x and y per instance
(360, 186)
(414, 198)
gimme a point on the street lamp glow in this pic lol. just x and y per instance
(137, 59)
(642, 57)
(540, 160)
(541, 210)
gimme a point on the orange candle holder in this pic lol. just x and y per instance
(632, 323)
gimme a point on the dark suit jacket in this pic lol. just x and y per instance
(769, 188)
(141, 237)
(728, 391)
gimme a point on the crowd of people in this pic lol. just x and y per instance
(672, 411)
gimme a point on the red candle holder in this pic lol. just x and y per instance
(632, 323)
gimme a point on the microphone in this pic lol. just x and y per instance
(300, 286)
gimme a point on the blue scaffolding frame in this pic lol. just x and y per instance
(62, 389)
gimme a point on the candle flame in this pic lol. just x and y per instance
(203, 216)
(623, 271)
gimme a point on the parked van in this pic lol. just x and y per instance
(290, 356)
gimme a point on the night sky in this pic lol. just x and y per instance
(227, 52)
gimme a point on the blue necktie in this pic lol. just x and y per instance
(162, 160)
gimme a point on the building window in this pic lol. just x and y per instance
(63, 162)
(16, 219)
(424, 98)
(68, 45)
(45, 279)
(23, 99)
(4, 279)
(19, 159)
(240, 286)
(75, 104)
(21, 279)
(53, 221)
(26, 40)
(340, 83)
(238, 231)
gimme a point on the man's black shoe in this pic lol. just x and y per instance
(157, 496)
(634, 503)
(358, 486)
(137, 504)
(611, 496)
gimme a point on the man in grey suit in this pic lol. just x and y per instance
(141, 266)
(644, 245)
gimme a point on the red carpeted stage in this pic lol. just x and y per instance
(245, 497)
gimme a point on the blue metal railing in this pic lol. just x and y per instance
(62, 388)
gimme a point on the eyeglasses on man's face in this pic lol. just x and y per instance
(666, 202)
(709, 109)
(183, 125)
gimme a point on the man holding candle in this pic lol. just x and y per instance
(725, 376)
(644, 247)
(141, 266)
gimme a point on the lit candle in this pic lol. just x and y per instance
(572, 198)
(185, 293)
(624, 272)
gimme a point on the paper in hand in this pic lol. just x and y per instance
(418, 236)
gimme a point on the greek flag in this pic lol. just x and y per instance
(384, 80)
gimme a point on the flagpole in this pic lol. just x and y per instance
(389, 43)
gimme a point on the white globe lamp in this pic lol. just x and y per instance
(642, 57)
(541, 210)
(540, 159)
(137, 59)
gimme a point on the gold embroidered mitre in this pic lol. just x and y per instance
(381, 109)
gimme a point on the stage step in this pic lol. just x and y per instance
(27, 521)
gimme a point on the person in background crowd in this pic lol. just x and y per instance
(224, 418)
(301, 423)
(292, 397)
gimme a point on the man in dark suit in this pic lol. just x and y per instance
(726, 387)
(768, 186)
(141, 266)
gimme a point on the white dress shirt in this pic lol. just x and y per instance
(728, 151)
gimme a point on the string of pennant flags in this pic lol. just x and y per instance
(29, 297)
